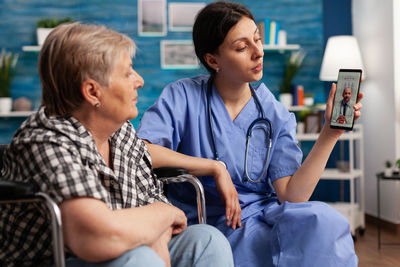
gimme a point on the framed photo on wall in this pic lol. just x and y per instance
(178, 54)
(182, 14)
(152, 18)
(313, 122)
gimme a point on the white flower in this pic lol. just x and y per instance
(296, 58)
(8, 60)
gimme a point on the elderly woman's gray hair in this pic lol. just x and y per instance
(73, 53)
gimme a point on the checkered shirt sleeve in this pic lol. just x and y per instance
(132, 164)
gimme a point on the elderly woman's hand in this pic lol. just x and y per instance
(160, 246)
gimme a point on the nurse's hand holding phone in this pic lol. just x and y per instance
(343, 106)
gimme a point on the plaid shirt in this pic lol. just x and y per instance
(59, 156)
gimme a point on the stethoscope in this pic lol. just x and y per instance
(254, 125)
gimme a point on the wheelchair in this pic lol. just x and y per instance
(18, 192)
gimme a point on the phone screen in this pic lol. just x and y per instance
(347, 87)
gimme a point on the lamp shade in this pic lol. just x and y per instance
(341, 52)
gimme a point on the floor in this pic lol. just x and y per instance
(367, 248)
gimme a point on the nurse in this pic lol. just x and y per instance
(262, 204)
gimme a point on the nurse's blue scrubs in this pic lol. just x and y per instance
(272, 234)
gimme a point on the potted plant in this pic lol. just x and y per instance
(300, 127)
(396, 172)
(388, 168)
(8, 62)
(293, 64)
(46, 25)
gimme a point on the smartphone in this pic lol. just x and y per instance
(347, 88)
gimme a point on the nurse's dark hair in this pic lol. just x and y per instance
(211, 26)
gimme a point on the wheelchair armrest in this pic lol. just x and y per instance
(11, 190)
(179, 175)
(170, 171)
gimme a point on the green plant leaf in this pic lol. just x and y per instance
(8, 62)
(388, 164)
(398, 163)
(293, 64)
(52, 22)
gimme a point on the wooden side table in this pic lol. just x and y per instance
(381, 176)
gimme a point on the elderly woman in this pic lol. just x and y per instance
(81, 149)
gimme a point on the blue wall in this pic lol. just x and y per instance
(302, 19)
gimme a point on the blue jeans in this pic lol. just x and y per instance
(199, 245)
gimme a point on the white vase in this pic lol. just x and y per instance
(309, 101)
(41, 34)
(300, 127)
(5, 105)
(388, 172)
(286, 99)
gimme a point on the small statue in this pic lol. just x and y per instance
(22, 104)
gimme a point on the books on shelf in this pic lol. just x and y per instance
(269, 31)
(298, 95)
(267, 25)
(273, 32)
(261, 29)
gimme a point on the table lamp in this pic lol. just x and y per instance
(341, 52)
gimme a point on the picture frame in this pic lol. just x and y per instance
(152, 18)
(178, 54)
(181, 15)
(313, 122)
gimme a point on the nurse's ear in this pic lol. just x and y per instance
(212, 61)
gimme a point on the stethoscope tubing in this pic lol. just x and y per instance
(249, 131)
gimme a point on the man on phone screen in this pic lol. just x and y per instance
(346, 110)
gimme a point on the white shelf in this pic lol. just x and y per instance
(344, 207)
(16, 114)
(320, 107)
(288, 47)
(281, 48)
(307, 136)
(335, 174)
(352, 212)
(31, 48)
(351, 135)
